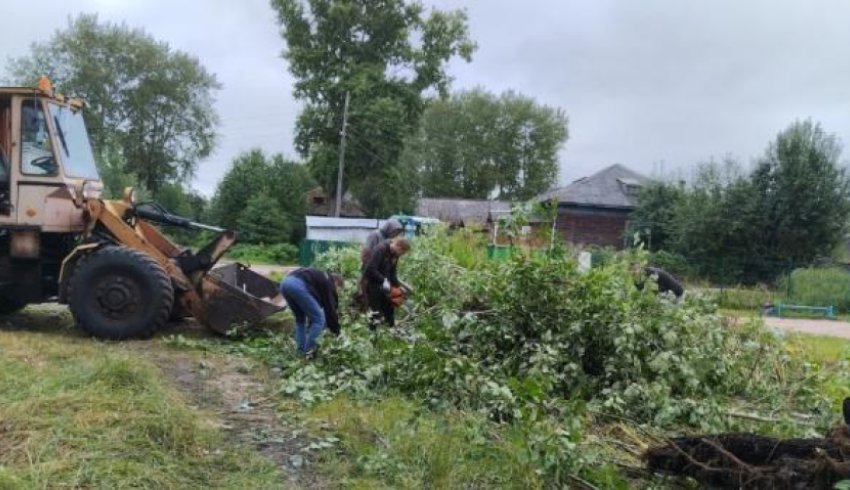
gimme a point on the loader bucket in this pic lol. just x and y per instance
(234, 295)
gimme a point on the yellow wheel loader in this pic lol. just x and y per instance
(119, 275)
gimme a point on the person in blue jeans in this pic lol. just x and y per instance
(312, 296)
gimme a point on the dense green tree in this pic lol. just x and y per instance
(654, 217)
(475, 145)
(386, 54)
(149, 108)
(248, 175)
(253, 173)
(802, 193)
(714, 224)
(791, 209)
(262, 221)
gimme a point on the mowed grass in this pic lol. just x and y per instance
(830, 353)
(77, 413)
(821, 348)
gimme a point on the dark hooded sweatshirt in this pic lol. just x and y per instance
(322, 288)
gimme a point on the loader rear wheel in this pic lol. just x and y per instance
(118, 293)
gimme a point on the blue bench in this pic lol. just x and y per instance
(827, 311)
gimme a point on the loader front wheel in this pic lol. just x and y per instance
(119, 293)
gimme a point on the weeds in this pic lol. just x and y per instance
(818, 287)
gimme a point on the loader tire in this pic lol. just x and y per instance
(119, 293)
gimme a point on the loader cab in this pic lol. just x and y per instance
(45, 161)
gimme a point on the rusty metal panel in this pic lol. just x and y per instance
(31, 199)
(61, 214)
(25, 244)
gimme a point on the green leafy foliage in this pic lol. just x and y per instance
(263, 198)
(262, 221)
(279, 253)
(474, 144)
(739, 227)
(386, 54)
(149, 108)
(654, 219)
(538, 350)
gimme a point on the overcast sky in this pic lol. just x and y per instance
(657, 85)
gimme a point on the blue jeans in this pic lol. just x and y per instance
(305, 308)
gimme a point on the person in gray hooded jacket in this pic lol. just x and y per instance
(389, 230)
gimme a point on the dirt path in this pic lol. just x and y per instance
(832, 328)
(237, 394)
(231, 393)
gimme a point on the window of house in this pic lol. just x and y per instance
(631, 187)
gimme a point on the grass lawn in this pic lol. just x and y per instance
(820, 348)
(77, 413)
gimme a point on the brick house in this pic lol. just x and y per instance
(595, 209)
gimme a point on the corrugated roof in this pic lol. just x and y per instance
(468, 211)
(612, 187)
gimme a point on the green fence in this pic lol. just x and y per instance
(504, 252)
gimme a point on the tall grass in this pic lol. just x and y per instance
(74, 416)
(744, 298)
(818, 287)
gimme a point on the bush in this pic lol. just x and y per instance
(511, 338)
(538, 348)
(818, 287)
(280, 253)
(601, 256)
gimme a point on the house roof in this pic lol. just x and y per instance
(468, 211)
(612, 187)
(318, 204)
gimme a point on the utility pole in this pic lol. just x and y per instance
(341, 155)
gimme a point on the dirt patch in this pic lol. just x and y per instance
(238, 395)
(755, 462)
(832, 328)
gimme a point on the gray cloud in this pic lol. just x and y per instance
(642, 82)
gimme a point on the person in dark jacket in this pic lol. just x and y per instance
(389, 230)
(379, 277)
(666, 281)
(312, 296)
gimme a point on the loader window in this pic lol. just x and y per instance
(74, 147)
(36, 151)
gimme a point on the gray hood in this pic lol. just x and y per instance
(389, 227)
